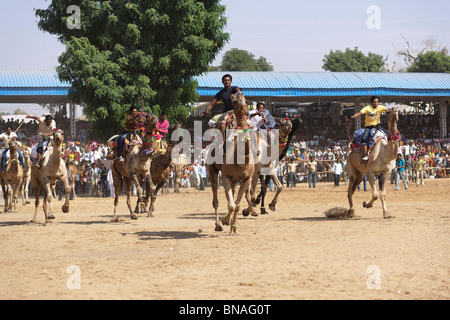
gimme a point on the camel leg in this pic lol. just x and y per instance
(27, 183)
(16, 194)
(8, 197)
(354, 178)
(140, 191)
(252, 190)
(47, 205)
(242, 189)
(67, 188)
(150, 190)
(213, 175)
(117, 180)
(386, 215)
(36, 184)
(227, 185)
(22, 192)
(153, 199)
(128, 192)
(279, 189)
(371, 179)
(54, 192)
(73, 187)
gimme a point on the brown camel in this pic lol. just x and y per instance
(381, 161)
(12, 177)
(284, 143)
(233, 171)
(52, 168)
(284, 129)
(73, 171)
(159, 170)
(26, 178)
(135, 168)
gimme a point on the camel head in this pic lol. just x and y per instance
(150, 122)
(284, 125)
(12, 145)
(239, 103)
(58, 136)
(392, 120)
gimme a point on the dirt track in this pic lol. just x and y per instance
(292, 253)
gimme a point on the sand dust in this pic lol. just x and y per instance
(292, 253)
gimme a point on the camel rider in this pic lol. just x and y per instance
(162, 128)
(45, 133)
(132, 125)
(261, 118)
(373, 118)
(6, 137)
(225, 96)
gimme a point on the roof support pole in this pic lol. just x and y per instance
(358, 109)
(443, 118)
(73, 129)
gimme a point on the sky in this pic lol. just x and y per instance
(293, 35)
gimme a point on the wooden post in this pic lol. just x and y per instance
(443, 118)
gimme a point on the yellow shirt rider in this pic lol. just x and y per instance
(373, 118)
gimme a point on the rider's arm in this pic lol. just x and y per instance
(356, 115)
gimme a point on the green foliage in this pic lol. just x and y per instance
(353, 61)
(242, 60)
(432, 61)
(127, 52)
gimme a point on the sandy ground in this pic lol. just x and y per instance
(292, 253)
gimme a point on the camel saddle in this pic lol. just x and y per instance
(374, 137)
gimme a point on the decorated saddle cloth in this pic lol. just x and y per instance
(374, 137)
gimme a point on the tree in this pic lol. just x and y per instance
(432, 61)
(353, 61)
(132, 52)
(242, 60)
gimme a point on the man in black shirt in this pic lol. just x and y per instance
(224, 95)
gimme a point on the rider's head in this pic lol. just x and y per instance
(374, 100)
(133, 110)
(48, 120)
(226, 80)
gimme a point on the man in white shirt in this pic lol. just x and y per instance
(260, 118)
(45, 133)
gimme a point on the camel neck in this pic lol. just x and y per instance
(56, 156)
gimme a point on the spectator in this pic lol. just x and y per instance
(337, 170)
(400, 167)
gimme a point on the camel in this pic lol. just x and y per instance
(286, 129)
(159, 170)
(26, 178)
(135, 168)
(232, 171)
(52, 168)
(73, 171)
(381, 161)
(12, 178)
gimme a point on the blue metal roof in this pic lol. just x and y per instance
(329, 83)
(265, 83)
